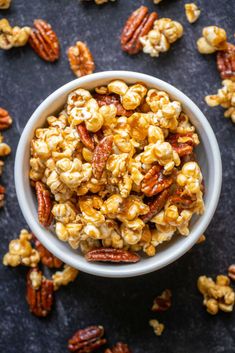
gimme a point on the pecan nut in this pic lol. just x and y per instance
(162, 302)
(101, 155)
(108, 99)
(2, 196)
(44, 41)
(226, 62)
(112, 255)
(80, 59)
(87, 340)
(39, 300)
(231, 272)
(138, 24)
(119, 348)
(181, 200)
(5, 119)
(85, 136)
(44, 204)
(155, 181)
(47, 258)
(156, 205)
(182, 148)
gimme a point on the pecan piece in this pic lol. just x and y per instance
(119, 348)
(2, 196)
(156, 205)
(85, 136)
(5, 119)
(155, 181)
(87, 340)
(108, 99)
(162, 302)
(231, 272)
(80, 59)
(112, 255)
(138, 24)
(40, 300)
(46, 257)
(181, 200)
(44, 41)
(101, 155)
(182, 148)
(226, 62)
(44, 204)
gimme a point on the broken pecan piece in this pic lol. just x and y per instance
(85, 136)
(2, 196)
(5, 119)
(44, 41)
(108, 99)
(155, 181)
(112, 255)
(182, 148)
(46, 257)
(231, 272)
(87, 340)
(162, 302)
(44, 204)
(39, 300)
(138, 24)
(80, 59)
(226, 62)
(119, 348)
(101, 155)
(156, 206)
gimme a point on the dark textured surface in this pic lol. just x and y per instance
(122, 306)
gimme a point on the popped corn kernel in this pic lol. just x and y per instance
(158, 327)
(5, 149)
(133, 96)
(213, 38)
(192, 12)
(64, 277)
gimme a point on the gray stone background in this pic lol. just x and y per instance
(122, 306)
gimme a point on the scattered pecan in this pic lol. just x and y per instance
(231, 271)
(2, 196)
(183, 149)
(162, 302)
(156, 205)
(119, 348)
(155, 181)
(226, 62)
(5, 119)
(101, 155)
(87, 340)
(44, 41)
(138, 24)
(47, 258)
(108, 99)
(85, 136)
(112, 255)
(40, 300)
(44, 204)
(80, 59)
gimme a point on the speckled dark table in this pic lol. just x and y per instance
(122, 306)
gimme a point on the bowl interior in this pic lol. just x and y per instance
(207, 154)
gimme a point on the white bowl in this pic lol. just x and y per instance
(208, 155)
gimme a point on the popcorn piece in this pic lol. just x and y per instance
(63, 278)
(36, 279)
(214, 38)
(5, 149)
(157, 327)
(133, 96)
(5, 4)
(12, 36)
(64, 212)
(192, 12)
(21, 252)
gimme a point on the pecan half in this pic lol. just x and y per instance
(2, 196)
(46, 257)
(119, 348)
(44, 41)
(5, 119)
(226, 62)
(39, 300)
(112, 255)
(108, 99)
(80, 59)
(231, 272)
(138, 24)
(162, 302)
(155, 181)
(156, 205)
(87, 340)
(85, 136)
(44, 204)
(183, 149)
(101, 155)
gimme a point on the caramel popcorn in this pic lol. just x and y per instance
(192, 12)
(64, 277)
(114, 169)
(164, 33)
(225, 97)
(158, 327)
(218, 295)
(21, 252)
(5, 4)
(213, 38)
(5, 149)
(36, 279)
(12, 36)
